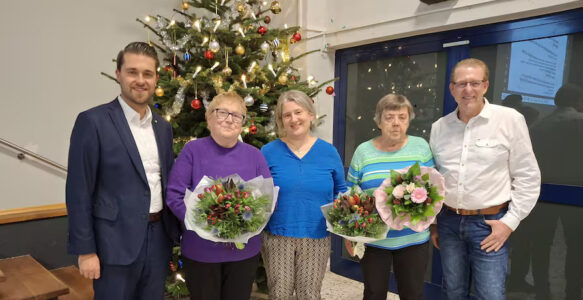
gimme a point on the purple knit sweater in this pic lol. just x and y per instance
(205, 157)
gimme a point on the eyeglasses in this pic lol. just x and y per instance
(223, 115)
(462, 84)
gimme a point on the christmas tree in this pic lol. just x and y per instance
(233, 49)
(213, 46)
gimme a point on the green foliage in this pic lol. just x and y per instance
(354, 214)
(175, 287)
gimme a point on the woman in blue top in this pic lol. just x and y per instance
(309, 173)
(372, 162)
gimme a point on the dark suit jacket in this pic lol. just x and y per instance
(107, 193)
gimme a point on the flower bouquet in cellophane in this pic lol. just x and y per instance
(410, 197)
(230, 209)
(353, 216)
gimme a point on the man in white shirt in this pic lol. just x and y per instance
(492, 182)
(119, 159)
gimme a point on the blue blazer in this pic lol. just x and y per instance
(107, 193)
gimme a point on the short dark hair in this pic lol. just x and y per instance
(569, 95)
(140, 48)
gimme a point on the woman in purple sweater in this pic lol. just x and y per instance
(217, 270)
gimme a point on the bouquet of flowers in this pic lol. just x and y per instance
(353, 216)
(230, 209)
(410, 197)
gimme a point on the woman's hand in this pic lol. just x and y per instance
(349, 247)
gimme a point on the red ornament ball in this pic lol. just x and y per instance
(195, 103)
(253, 129)
(297, 37)
(208, 54)
(261, 30)
(168, 68)
(267, 19)
(293, 77)
(329, 90)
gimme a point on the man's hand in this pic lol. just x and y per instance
(434, 236)
(496, 239)
(89, 266)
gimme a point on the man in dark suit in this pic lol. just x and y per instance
(119, 159)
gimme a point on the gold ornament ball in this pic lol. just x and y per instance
(227, 71)
(185, 5)
(240, 7)
(240, 49)
(282, 79)
(159, 92)
(275, 7)
(217, 80)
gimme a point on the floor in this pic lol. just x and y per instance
(336, 287)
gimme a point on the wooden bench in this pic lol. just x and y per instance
(80, 288)
(28, 279)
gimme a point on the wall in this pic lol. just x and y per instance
(53, 52)
(52, 55)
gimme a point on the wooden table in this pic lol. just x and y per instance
(28, 279)
(2, 276)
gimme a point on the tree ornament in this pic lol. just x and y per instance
(261, 30)
(168, 68)
(293, 77)
(195, 103)
(282, 79)
(252, 129)
(157, 105)
(267, 19)
(297, 37)
(249, 100)
(276, 43)
(227, 71)
(159, 92)
(329, 90)
(217, 80)
(208, 54)
(240, 7)
(263, 107)
(240, 49)
(186, 56)
(275, 7)
(214, 46)
(265, 47)
(185, 5)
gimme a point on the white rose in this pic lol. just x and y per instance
(410, 187)
(399, 191)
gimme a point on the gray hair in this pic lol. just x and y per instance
(393, 102)
(301, 99)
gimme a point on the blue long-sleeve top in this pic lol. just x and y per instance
(305, 185)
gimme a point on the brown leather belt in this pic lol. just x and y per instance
(473, 212)
(155, 217)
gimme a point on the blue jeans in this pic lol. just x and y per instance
(462, 260)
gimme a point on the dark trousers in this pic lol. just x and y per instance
(220, 281)
(408, 264)
(143, 279)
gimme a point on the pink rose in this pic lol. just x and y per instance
(399, 191)
(419, 195)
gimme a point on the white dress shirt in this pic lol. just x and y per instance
(487, 161)
(148, 148)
